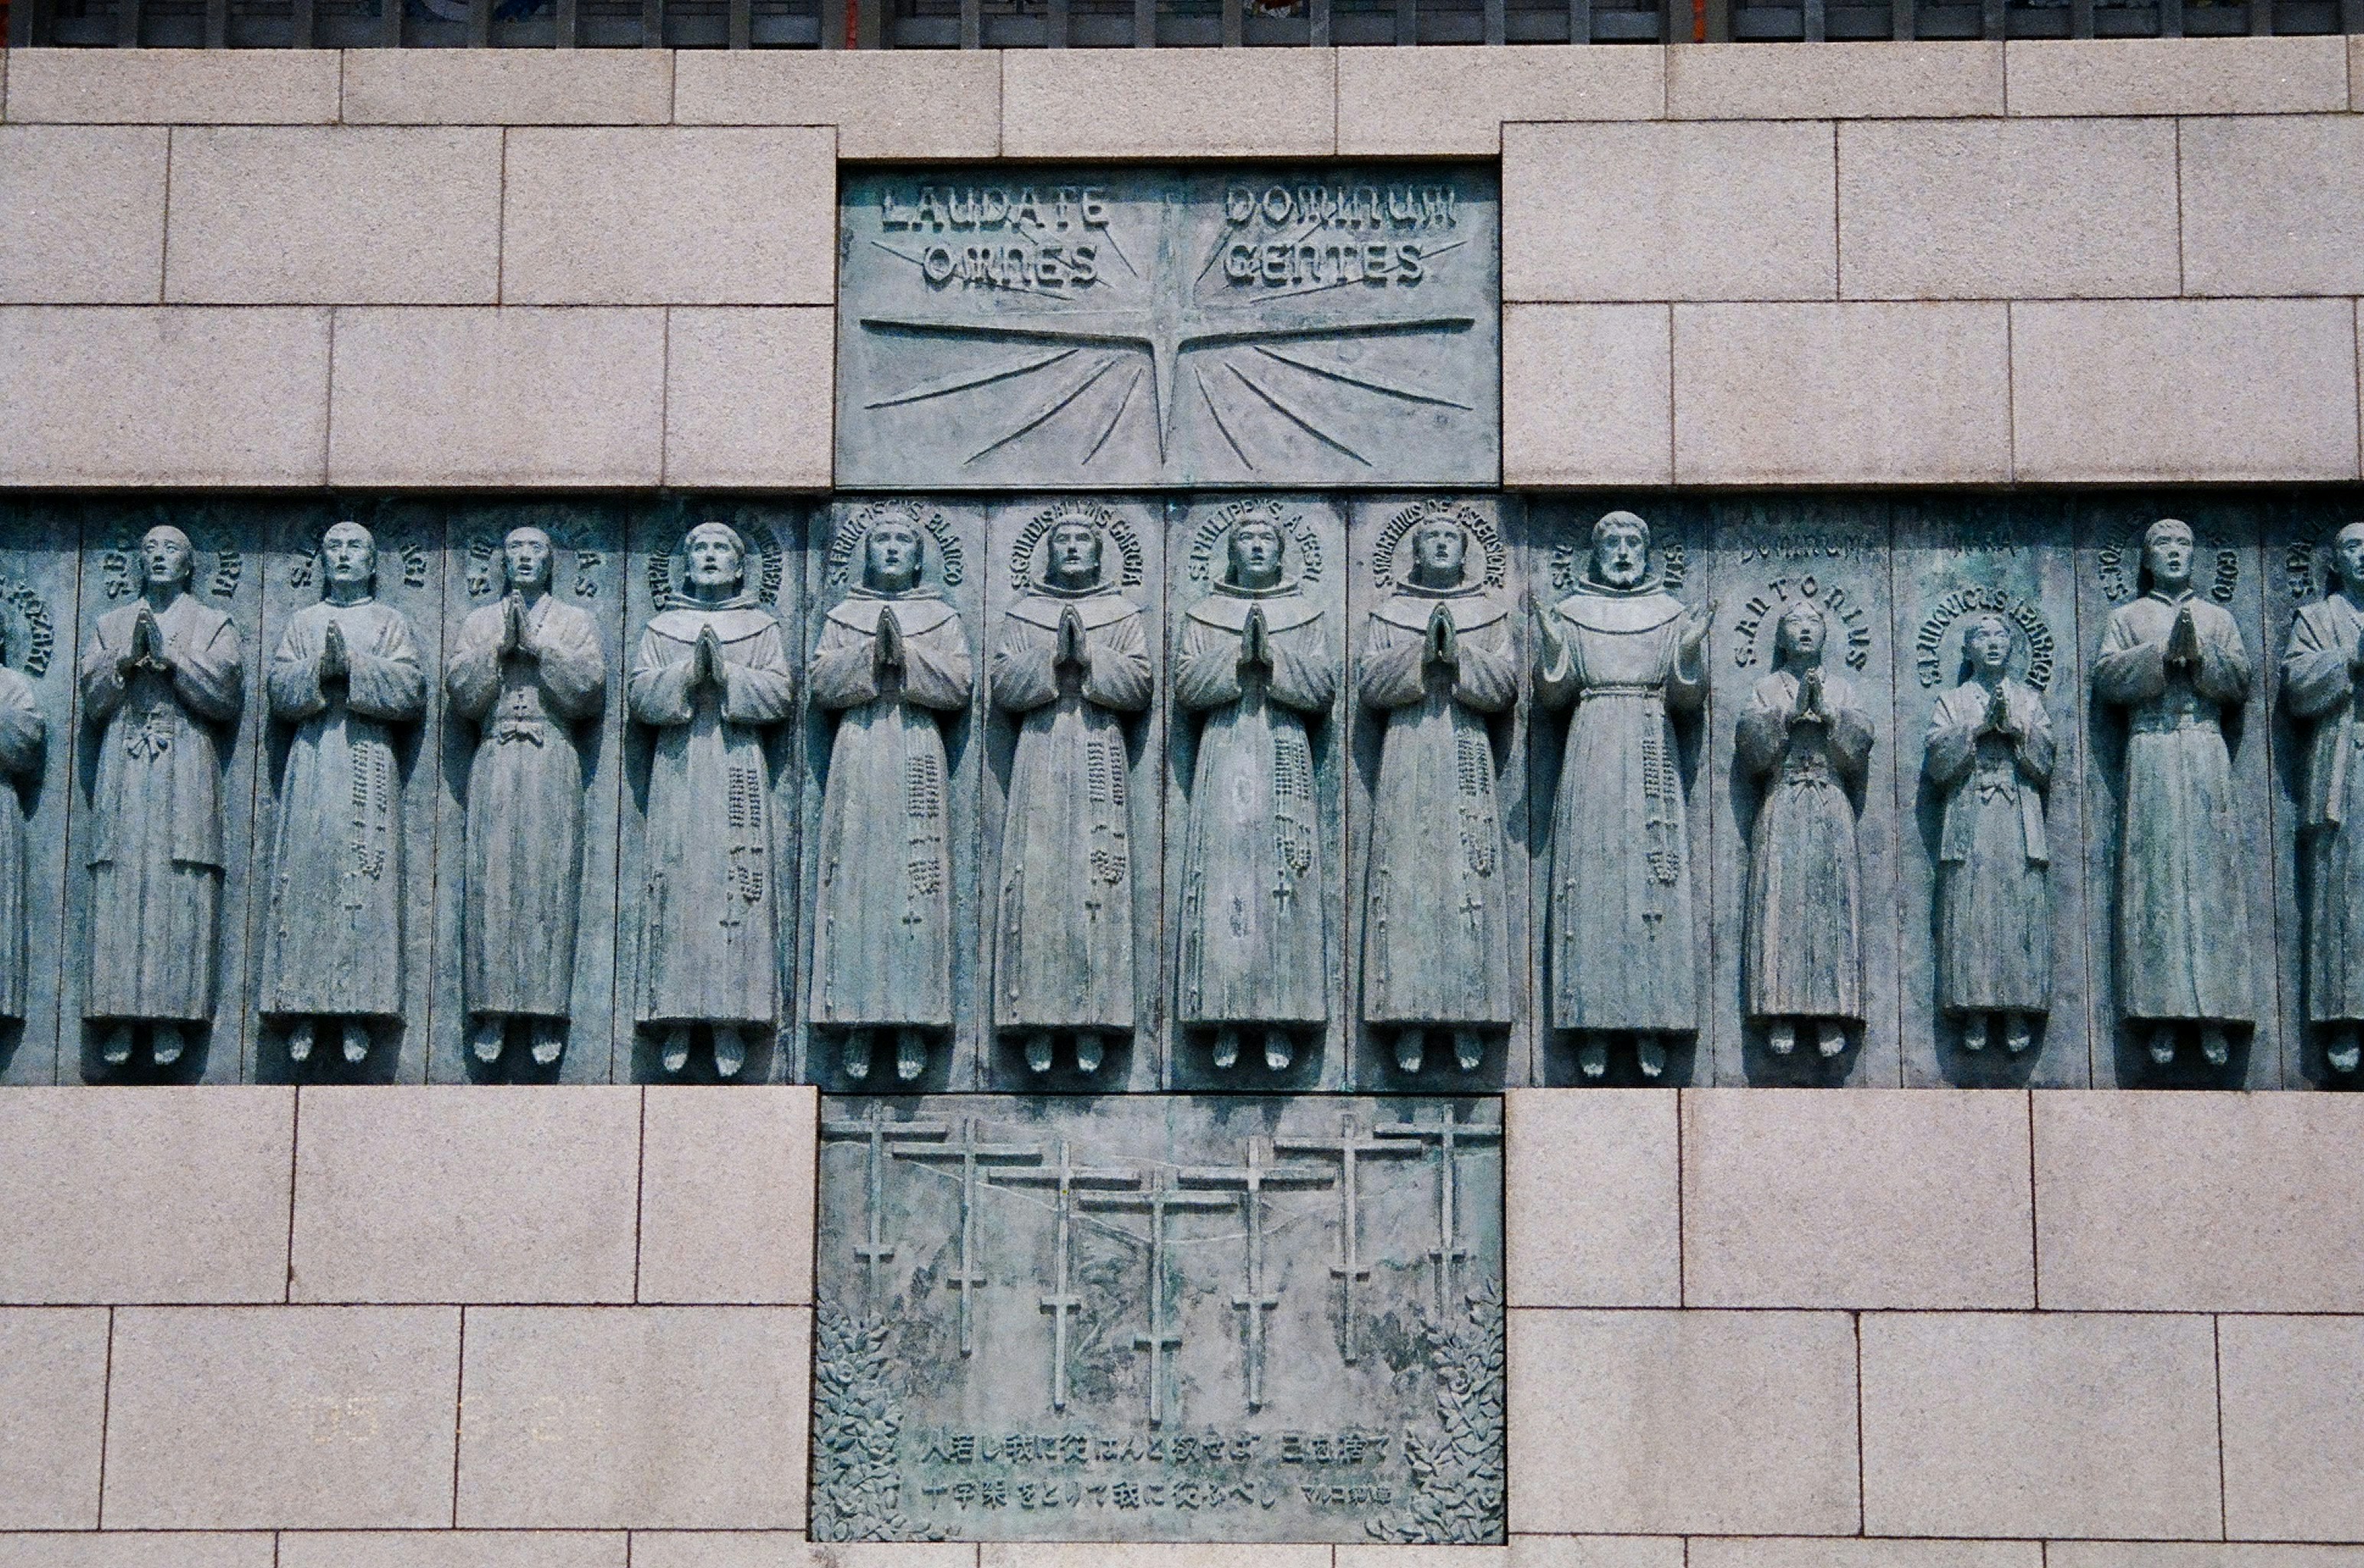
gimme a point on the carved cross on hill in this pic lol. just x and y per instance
(1349, 1149)
(1258, 1298)
(1446, 1139)
(971, 1156)
(1066, 1179)
(1161, 1340)
(881, 1134)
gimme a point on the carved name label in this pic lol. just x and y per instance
(2035, 633)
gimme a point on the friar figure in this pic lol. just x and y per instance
(1989, 753)
(1072, 659)
(1805, 736)
(2322, 681)
(1256, 663)
(524, 671)
(1623, 951)
(346, 675)
(892, 658)
(158, 677)
(23, 732)
(1436, 931)
(2173, 661)
(710, 677)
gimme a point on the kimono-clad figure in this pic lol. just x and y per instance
(158, 677)
(1624, 955)
(1072, 659)
(2173, 661)
(23, 732)
(710, 677)
(2322, 681)
(524, 671)
(1436, 929)
(892, 657)
(346, 675)
(1807, 737)
(1989, 750)
(1255, 662)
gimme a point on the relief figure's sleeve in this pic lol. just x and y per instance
(1953, 740)
(1392, 666)
(844, 670)
(2224, 670)
(2034, 747)
(1686, 675)
(385, 681)
(573, 667)
(1120, 677)
(210, 676)
(1851, 736)
(763, 690)
(1489, 680)
(1762, 733)
(102, 685)
(2315, 676)
(293, 683)
(2128, 671)
(936, 671)
(1207, 669)
(1558, 679)
(1304, 675)
(472, 679)
(1020, 671)
(22, 729)
(658, 692)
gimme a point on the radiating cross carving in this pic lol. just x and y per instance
(1161, 1340)
(1349, 1149)
(1252, 1178)
(971, 1155)
(881, 1134)
(1446, 1139)
(1065, 1179)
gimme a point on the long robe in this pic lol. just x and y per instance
(2183, 912)
(333, 944)
(156, 861)
(2318, 687)
(1624, 953)
(1994, 901)
(22, 733)
(709, 929)
(1805, 879)
(1252, 887)
(882, 927)
(524, 865)
(1063, 925)
(1436, 928)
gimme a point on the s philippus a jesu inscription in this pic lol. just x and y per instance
(1163, 327)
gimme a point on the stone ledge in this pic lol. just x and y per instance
(174, 87)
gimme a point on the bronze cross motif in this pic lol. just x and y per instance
(1252, 1179)
(880, 1133)
(1158, 1339)
(1066, 1178)
(1447, 1138)
(966, 1276)
(1348, 1149)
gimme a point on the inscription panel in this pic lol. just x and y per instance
(1163, 327)
(1171, 1319)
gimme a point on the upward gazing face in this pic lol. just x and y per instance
(1987, 643)
(1800, 635)
(891, 557)
(1255, 555)
(1074, 555)
(1438, 552)
(2167, 550)
(715, 564)
(164, 556)
(1621, 552)
(2350, 549)
(349, 555)
(526, 554)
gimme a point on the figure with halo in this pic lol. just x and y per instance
(347, 675)
(161, 678)
(891, 663)
(711, 676)
(1630, 657)
(526, 670)
(1438, 661)
(2323, 681)
(2175, 662)
(1072, 663)
(1256, 666)
(1989, 755)
(1807, 737)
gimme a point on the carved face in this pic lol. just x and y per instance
(1438, 552)
(1075, 555)
(1799, 638)
(1620, 551)
(891, 556)
(526, 553)
(1256, 554)
(1986, 644)
(349, 556)
(2167, 550)
(2350, 548)
(164, 556)
(715, 563)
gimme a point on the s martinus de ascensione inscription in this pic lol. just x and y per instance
(1163, 327)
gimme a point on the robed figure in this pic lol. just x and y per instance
(1807, 738)
(1256, 664)
(158, 679)
(524, 671)
(1989, 755)
(710, 677)
(2323, 681)
(1436, 928)
(892, 659)
(1623, 954)
(23, 732)
(1072, 660)
(347, 675)
(2174, 662)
